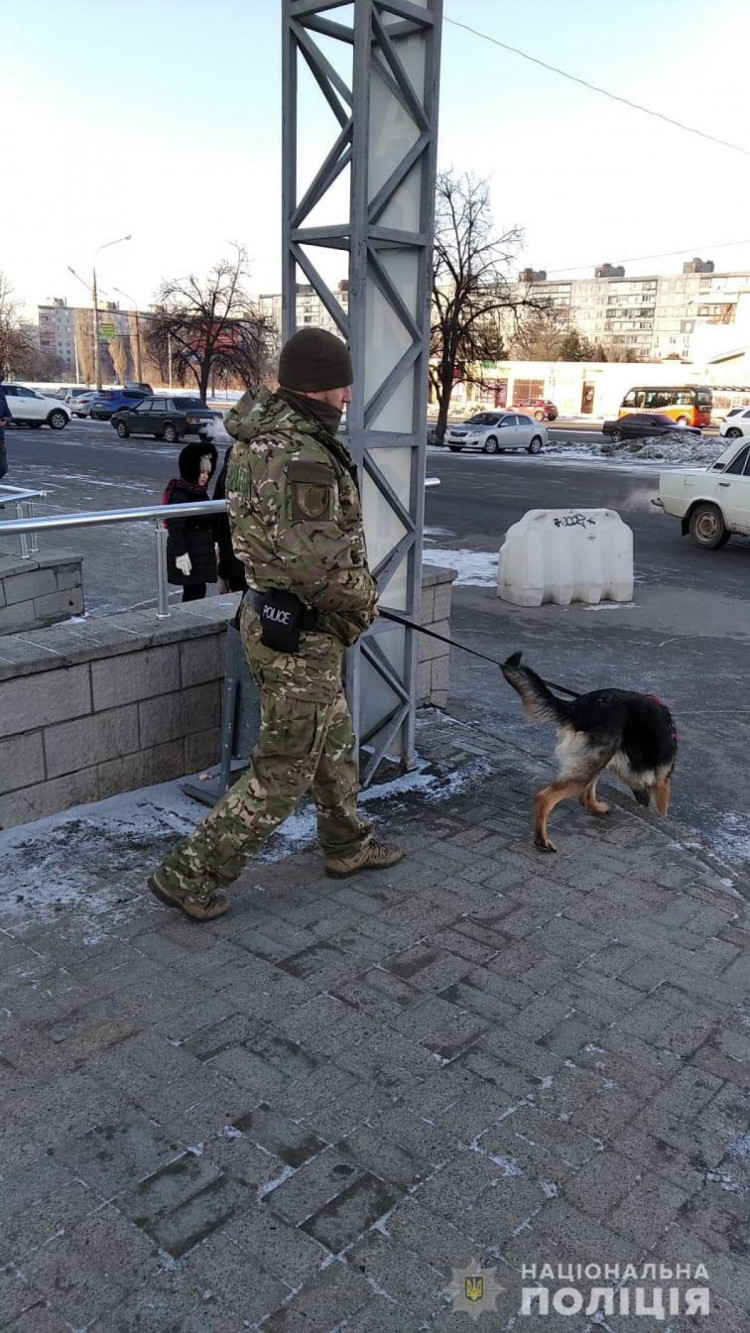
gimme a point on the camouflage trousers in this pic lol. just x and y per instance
(306, 744)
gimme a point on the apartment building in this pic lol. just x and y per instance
(310, 308)
(57, 323)
(56, 332)
(657, 316)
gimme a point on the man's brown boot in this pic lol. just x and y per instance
(373, 855)
(187, 902)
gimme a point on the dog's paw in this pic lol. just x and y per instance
(600, 808)
(544, 845)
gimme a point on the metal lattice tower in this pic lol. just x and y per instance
(375, 64)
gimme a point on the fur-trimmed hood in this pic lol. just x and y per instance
(190, 460)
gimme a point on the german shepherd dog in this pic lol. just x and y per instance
(632, 735)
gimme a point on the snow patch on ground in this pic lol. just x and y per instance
(475, 568)
(678, 448)
(729, 839)
(93, 859)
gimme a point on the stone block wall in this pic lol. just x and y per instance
(39, 591)
(433, 671)
(92, 708)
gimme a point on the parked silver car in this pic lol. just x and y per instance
(81, 404)
(493, 432)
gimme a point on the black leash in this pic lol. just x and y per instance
(431, 633)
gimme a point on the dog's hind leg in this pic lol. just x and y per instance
(545, 802)
(589, 799)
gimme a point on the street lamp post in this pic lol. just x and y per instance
(138, 362)
(83, 283)
(97, 348)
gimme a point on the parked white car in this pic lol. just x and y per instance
(28, 407)
(736, 423)
(714, 502)
(493, 432)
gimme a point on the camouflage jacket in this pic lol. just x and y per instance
(295, 514)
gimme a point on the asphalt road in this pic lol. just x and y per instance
(686, 637)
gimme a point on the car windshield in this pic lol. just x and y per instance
(191, 404)
(482, 419)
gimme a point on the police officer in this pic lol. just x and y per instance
(296, 524)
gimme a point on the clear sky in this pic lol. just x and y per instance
(163, 119)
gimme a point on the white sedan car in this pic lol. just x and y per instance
(493, 432)
(736, 423)
(28, 407)
(714, 502)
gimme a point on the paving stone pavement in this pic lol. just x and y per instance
(307, 1114)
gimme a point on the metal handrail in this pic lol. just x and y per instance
(113, 516)
(158, 514)
(20, 496)
(154, 513)
(18, 493)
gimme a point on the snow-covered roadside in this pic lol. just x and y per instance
(678, 448)
(675, 450)
(476, 569)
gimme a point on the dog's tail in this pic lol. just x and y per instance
(538, 700)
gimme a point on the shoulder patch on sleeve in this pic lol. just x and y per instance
(312, 488)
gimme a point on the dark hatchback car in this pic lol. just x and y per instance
(165, 418)
(109, 401)
(639, 425)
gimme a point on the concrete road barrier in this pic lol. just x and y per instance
(566, 555)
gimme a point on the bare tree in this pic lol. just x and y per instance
(119, 349)
(38, 365)
(16, 345)
(210, 327)
(474, 307)
(538, 336)
(83, 333)
(154, 352)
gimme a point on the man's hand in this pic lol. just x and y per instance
(183, 564)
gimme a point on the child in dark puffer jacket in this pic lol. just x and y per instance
(191, 555)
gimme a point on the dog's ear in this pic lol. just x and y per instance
(513, 661)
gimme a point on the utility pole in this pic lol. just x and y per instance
(97, 346)
(138, 363)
